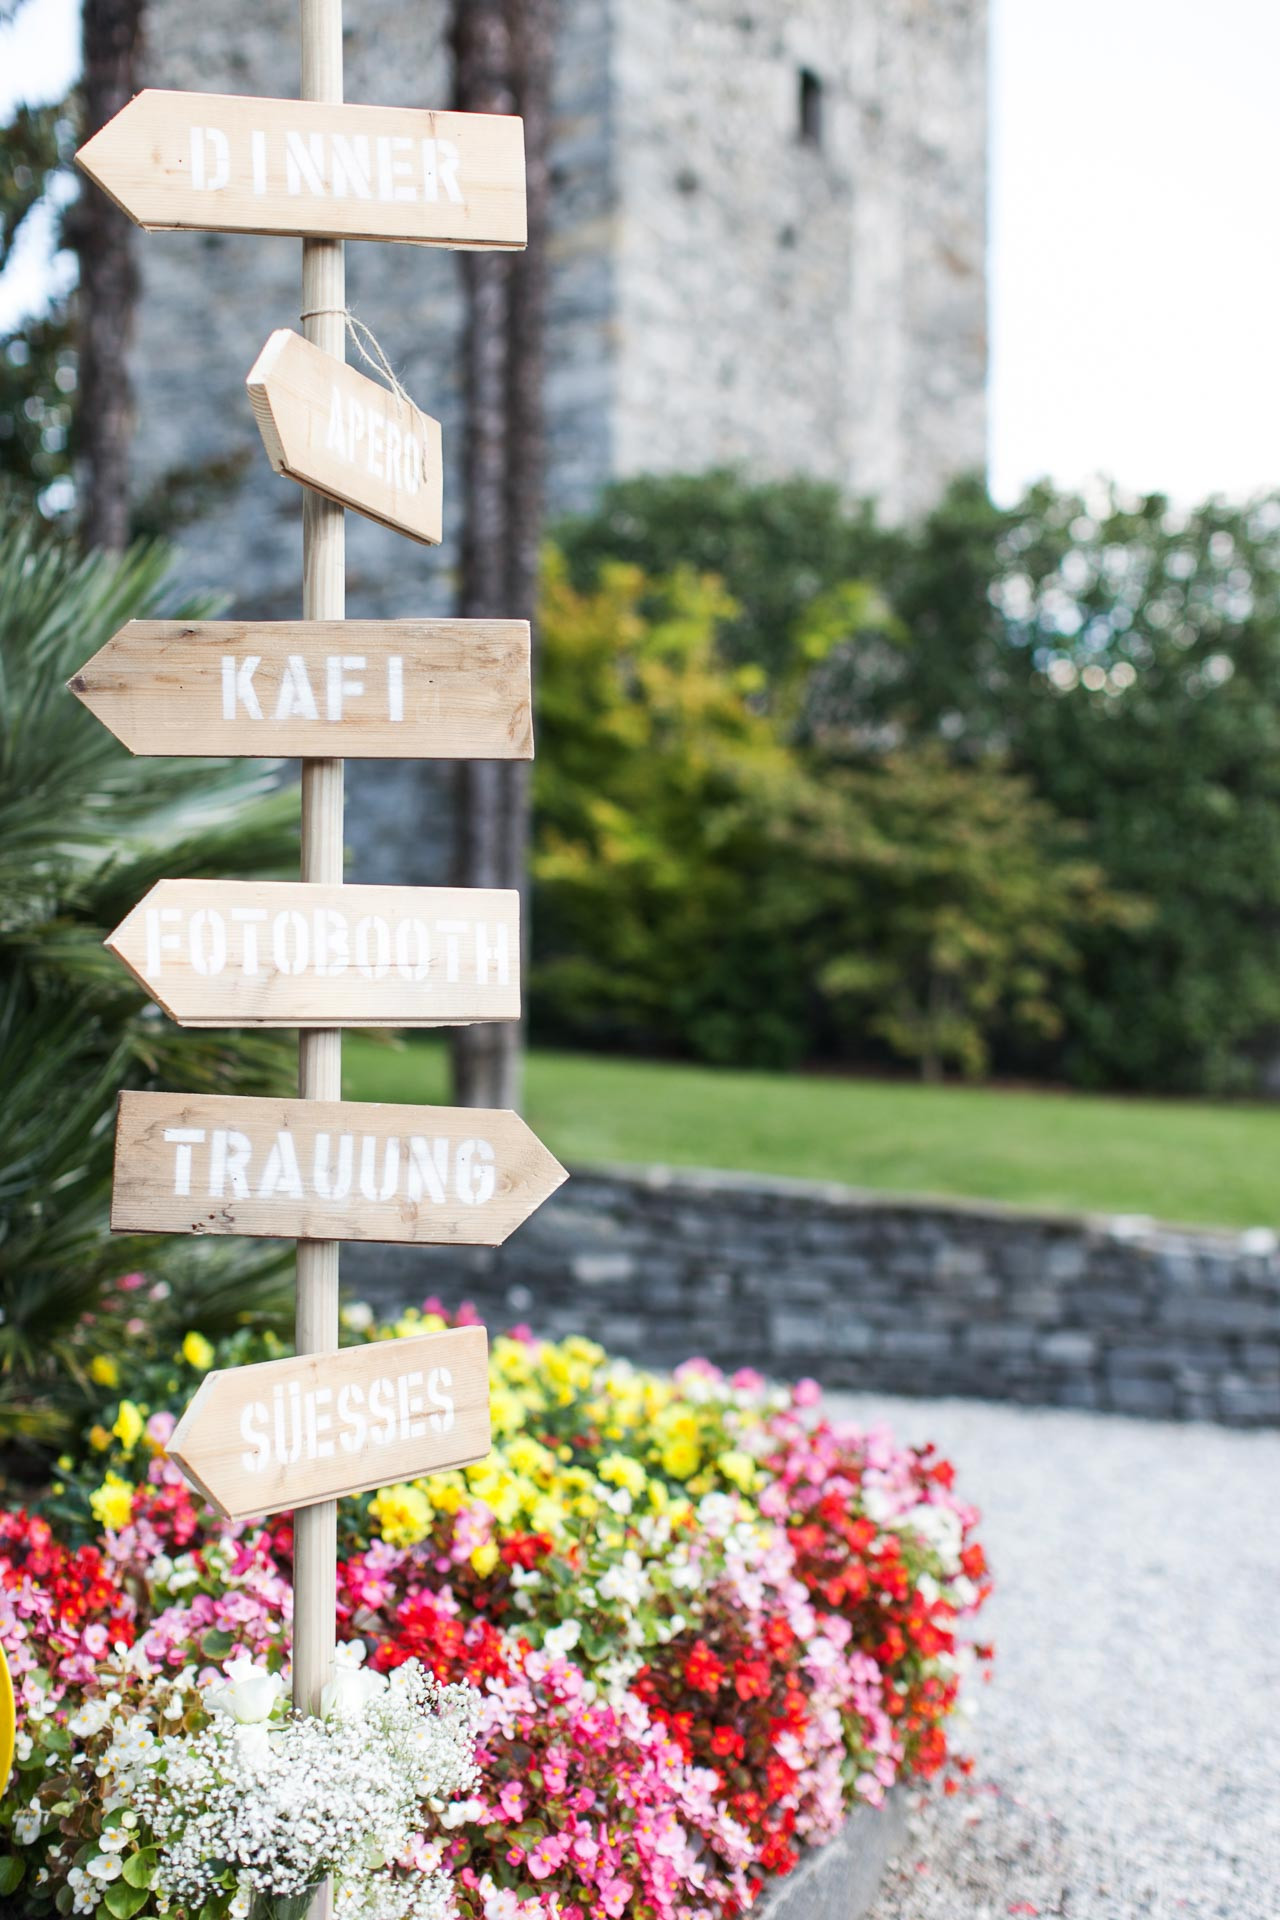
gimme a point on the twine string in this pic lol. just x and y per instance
(373, 356)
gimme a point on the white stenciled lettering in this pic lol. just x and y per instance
(473, 1175)
(210, 159)
(382, 1412)
(413, 950)
(295, 695)
(351, 1417)
(281, 1174)
(355, 426)
(207, 937)
(492, 953)
(439, 1383)
(255, 1431)
(332, 943)
(158, 941)
(304, 163)
(395, 688)
(453, 931)
(337, 1186)
(440, 162)
(339, 684)
(335, 438)
(369, 1184)
(229, 1155)
(238, 687)
(183, 1138)
(377, 428)
(373, 947)
(288, 1444)
(428, 1169)
(250, 919)
(351, 165)
(290, 942)
(410, 1404)
(319, 1423)
(258, 159)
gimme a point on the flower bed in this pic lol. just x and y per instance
(688, 1624)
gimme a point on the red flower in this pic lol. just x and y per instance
(750, 1679)
(702, 1671)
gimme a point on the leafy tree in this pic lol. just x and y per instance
(85, 831)
(37, 358)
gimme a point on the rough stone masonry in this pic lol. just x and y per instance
(769, 248)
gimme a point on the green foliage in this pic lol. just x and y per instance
(37, 358)
(85, 830)
(707, 885)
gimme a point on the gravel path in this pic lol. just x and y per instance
(1128, 1747)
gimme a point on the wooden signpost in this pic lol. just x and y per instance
(288, 1433)
(243, 953)
(321, 956)
(362, 689)
(348, 437)
(217, 163)
(326, 1170)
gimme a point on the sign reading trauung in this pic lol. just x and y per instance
(222, 163)
(325, 1170)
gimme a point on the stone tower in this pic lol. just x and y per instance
(768, 250)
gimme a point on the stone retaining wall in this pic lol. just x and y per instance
(866, 1291)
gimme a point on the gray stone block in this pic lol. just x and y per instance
(1068, 1349)
(602, 1269)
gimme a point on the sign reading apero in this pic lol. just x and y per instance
(222, 163)
(287, 1433)
(325, 1170)
(359, 689)
(244, 953)
(348, 437)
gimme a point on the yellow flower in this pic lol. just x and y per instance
(197, 1352)
(103, 1370)
(112, 1504)
(620, 1470)
(99, 1438)
(128, 1426)
(738, 1467)
(403, 1515)
(445, 1495)
(680, 1458)
(484, 1559)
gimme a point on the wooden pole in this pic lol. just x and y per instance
(319, 1053)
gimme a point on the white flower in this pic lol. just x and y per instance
(618, 1500)
(358, 1316)
(92, 1717)
(113, 1839)
(252, 1694)
(86, 1894)
(105, 1867)
(353, 1685)
(28, 1824)
(22, 1747)
(562, 1639)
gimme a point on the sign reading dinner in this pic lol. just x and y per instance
(230, 164)
(365, 689)
(287, 1433)
(231, 953)
(325, 1170)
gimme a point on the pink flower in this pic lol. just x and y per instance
(512, 1801)
(806, 1393)
(160, 1428)
(546, 1855)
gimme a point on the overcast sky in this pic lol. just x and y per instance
(1135, 276)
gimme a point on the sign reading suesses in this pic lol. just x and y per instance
(287, 1433)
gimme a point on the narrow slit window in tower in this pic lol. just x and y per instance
(810, 108)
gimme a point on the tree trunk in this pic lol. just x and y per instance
(112, 42)
(503, 55)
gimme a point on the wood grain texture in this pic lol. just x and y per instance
(225, 163)
(349, 437)
(325, 1170)
(287, 688)
(288, 1433)
(244, 953)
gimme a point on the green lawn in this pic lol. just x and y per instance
(1178, 1160)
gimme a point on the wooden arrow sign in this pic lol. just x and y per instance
(239, 953)
(286, 1433)
(348, 437)
(353, 689)
(219, 163)
(325, 1170)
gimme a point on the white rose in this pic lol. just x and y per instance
(353, 1686)
(251, 1695)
